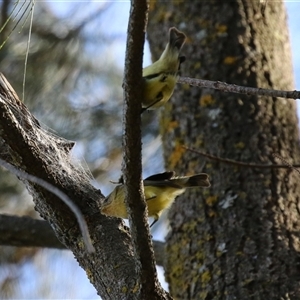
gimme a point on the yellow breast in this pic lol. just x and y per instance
(158, 90)
(160, 198)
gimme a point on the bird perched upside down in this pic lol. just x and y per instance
(160, 77)
(160, 192)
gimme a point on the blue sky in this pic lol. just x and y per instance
(120, 11)
(293, 9)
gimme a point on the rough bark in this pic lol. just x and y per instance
(147, 285)
(23, 143)
(239, 239)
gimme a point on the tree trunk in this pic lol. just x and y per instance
(239, 239)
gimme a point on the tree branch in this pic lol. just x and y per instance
(51, 188)
(232, 88)
(28, 147)
(148, 285)
(28, 232)
(243, 164)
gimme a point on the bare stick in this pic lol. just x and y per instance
(232, 88)
(242, 164)
(51, 188)
(28, 232)
(288, 165)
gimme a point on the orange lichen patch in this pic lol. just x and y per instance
(202, 22)
(211, 200)
(90, 275)
(192, 166)
(197, 65)
(190, 226)
(211, 213)
(161, 14)
(221, 28)
(152, 5)
(239, 145)
(206, 100)
(176, 155)
(165, 120)
(172, 125)
(206, 277)
(136, 288)
(229, 60)
(199, 143)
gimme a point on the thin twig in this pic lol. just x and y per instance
(51, 188)
(242, 164)
(286, 162)
(27, 50)
(232, 88)
(19, 20)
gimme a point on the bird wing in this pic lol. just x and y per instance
(161, 176)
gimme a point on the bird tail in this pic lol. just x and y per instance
(168, 179)
(176, 38)
(201, 180)
(170, 56)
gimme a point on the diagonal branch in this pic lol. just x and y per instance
(30, 148)
(243, 164)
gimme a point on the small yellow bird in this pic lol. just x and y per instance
(160, 192)
(160, 77)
